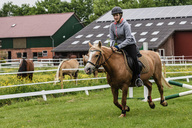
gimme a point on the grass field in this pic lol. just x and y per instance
(97, 110)
(77, 110)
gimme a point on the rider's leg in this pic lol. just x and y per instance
(132, 51)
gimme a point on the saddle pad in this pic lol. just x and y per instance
(144, 61)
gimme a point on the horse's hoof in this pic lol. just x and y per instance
(122, 115)
(151, 104)
(127, 108)
(164, 103)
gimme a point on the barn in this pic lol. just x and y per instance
(168, 30)
(35, 36)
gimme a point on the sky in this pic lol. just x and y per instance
(20, 2)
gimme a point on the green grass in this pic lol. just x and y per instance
(77, 110)
(97, 110)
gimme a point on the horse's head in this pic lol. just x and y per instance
(85, 59)
(95, 58)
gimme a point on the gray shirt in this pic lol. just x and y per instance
(120, 33)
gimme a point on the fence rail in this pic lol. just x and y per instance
(44, 93)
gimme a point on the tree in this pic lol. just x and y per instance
(83, 9)
(8, 9)
(100, 7)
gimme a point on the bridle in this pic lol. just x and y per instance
(97, 65)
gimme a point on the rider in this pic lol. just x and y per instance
(120, 33)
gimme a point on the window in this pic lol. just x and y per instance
(183, 22)
(107, 26)
(162, 52)
(142, 39)
(96, 27)
(143, 33)
(148, 24)
(100, 35)
(25, 54)
(85, 42)
(153, 39)
(18, 55)
(155, 33)
(133, 33)
(160, 23)
(13, 25)
(138, 25)
(34, 54)
(90, 35)
(171, 23)
(44, 53)
(40, 54)
(75, 42)
(79, 36)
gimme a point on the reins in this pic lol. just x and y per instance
(98, 65)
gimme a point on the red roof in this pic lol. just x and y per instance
(33, 25)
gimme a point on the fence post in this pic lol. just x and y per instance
(164, 70)
(145, 47)
(44, 96)
(86, 92)
(130, 92)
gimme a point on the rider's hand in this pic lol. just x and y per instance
(114, 48)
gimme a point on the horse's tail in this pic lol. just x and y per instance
(57, 73)
(164, 82)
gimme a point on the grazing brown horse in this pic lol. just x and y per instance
(26, 65)
(119, 77)
(67, 64)
(95, 72)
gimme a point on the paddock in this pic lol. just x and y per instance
(43, 93)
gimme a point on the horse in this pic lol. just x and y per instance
(26, 65)
(95, 72)
(119, 77)
(67, 64)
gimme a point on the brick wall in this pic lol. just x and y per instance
(29, 52)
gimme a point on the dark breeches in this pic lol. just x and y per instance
(132, 52)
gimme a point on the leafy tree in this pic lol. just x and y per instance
(83, 8)
(8, 9)
(87, 10)
(100, 7)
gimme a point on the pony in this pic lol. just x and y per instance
(26, 65)
(119, 77)
(95, 72)
(67, 64)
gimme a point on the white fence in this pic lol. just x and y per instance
(176, 59)
(169, 61)
(14, 63)
(44, 93)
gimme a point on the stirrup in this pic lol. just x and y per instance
(138, 80)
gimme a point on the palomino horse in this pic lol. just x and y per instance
(95, 72)
(119, 77)
(26, 65)
(67, 64)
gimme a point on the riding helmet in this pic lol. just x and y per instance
(116, 10)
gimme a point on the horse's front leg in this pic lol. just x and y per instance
(115, 97)
(124, 100)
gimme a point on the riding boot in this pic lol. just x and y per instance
(138, 81)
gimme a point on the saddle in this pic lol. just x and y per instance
(143, 63)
